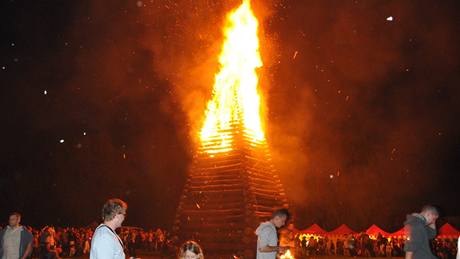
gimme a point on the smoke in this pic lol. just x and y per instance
(353, 102)
(359, 105)
(360, 111)
(344, 88)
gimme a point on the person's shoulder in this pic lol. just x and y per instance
(26, 231)
(267, 229)
(101, 231)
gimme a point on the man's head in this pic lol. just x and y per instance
(14, 219)
(431, 214)
(279, 217)
(114, 211)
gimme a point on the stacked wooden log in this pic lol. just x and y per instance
(227, 195)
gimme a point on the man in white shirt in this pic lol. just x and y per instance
(267, 237)
(106, 244)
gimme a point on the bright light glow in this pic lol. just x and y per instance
(235, 97)
(287, 255)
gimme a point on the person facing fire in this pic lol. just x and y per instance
(421, 228)
(106, 244)
(267, 238)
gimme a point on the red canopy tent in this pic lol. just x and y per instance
(374, 231)
(314, 229)
(342, 230)
(448, 231)
(399, 234)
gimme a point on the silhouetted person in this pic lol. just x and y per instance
(421, 228)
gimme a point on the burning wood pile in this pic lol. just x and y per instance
(232, 185)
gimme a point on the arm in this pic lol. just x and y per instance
(409, 255)
(269, 249)
(267, 239)
(414, 239)
(28, 251)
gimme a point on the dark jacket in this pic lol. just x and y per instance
(419, 236)
(25, 240)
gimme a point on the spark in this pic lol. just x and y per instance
(84, 133)
(295, 54)
(390, 18)
(61, 141)
(45, 92)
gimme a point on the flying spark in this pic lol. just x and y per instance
(295, 54)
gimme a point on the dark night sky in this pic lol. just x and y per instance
(362, 111)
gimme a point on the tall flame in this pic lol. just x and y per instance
(235, 97)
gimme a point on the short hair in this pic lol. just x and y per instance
(281, 213)
(191, 246)
(431, 208)
(113, 207)
(17, 214)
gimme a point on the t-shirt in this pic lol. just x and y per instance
(106, 244)
(11, 242)
(266, 236)
(419, 236)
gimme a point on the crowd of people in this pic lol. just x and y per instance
(363, 245)
(54, 243)
(103, 242)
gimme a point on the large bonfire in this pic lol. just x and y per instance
(232, 185)
(235, 96)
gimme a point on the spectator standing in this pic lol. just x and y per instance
(106, 244)
(15, 240)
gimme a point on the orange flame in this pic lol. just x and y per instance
(235, 96)
(287, 255)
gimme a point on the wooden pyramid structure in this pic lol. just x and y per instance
(227, 194)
